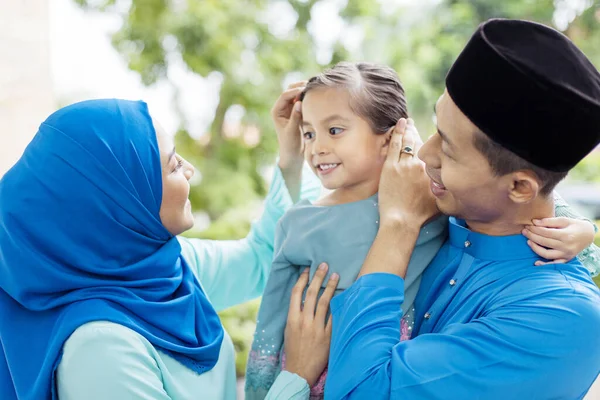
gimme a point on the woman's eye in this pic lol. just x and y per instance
(179, 165)
(308, 135)
(335, 131)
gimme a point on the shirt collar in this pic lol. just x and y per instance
(485, 247)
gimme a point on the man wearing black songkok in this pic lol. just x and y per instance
(521, 108)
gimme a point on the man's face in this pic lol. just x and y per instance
(461, 178)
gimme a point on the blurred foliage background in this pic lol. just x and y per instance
(256, 47)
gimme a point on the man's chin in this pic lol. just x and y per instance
(444, 207)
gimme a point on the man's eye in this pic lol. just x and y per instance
(445, 153)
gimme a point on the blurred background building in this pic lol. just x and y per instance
(26, 89)
(210, 71)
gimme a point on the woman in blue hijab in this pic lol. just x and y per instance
(98, 297)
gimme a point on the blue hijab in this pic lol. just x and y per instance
(81, 240)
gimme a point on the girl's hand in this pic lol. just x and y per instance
(287, 116)
(307, 334)
(559, 239)
(404, 189)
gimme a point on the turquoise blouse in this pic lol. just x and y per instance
(103, 360)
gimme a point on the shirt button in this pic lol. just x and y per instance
(452, 282)
(427, 316)
(467, 244)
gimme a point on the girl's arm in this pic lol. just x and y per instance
(564, 237)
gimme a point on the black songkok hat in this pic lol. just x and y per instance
(531, 90)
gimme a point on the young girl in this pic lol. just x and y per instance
(348, 113)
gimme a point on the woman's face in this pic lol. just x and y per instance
(175, 208)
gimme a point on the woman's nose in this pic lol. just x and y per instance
(189, 170)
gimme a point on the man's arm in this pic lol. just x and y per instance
(405, 204)
(391, 251)
(533, 348)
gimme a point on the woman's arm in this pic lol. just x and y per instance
(287, 116)
(235, 271)
(232, 272)
(289, 386)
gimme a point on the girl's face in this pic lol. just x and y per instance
(175, 209)
(340, 146)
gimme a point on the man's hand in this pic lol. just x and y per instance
(307, 334)
(404, 193)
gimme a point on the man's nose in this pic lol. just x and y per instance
(429, 153)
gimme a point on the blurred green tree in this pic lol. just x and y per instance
(253, 53)
(243, 43)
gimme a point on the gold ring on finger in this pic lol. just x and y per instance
(408, 150)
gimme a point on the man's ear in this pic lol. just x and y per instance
(524, 187)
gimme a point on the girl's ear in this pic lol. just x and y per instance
(388, 136)
(386, 141)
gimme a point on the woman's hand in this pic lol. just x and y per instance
(404, 190)
(287, 116)
(307, 334)
(559, 239)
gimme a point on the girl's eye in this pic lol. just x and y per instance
(335, 131)
(308, 135)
